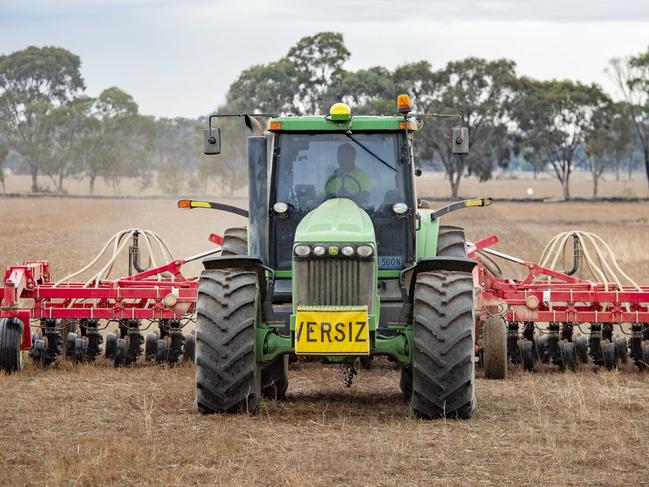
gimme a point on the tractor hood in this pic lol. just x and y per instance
(336, 220)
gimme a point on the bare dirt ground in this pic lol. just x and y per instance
(92, 424)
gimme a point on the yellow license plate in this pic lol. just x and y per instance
(332, 331)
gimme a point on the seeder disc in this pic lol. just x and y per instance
(610, 359)
(111, 345)
(581, 348)
(528, 355)
(621, 349)
(569, 356)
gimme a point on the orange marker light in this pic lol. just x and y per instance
(275, 126)
(185, 204)
(403, 104)
(411, 125)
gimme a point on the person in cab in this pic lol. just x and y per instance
(348, 180)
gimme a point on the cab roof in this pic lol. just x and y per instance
(324, 124)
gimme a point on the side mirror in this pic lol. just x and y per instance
(460, 140)
(212, 141)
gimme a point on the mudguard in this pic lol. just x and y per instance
(241, 262)
(431, 264)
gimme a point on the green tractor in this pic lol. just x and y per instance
(338, 262)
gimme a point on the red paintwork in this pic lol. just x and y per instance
(140, 296)
(136, 297)
(560, 297)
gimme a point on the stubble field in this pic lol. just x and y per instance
(93, 424)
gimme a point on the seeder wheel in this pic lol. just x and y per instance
(494, 345)
(111, 345)
(528, 355)
(11, 334)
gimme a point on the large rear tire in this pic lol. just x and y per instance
(11, 334)
(227, 376)
(450, 241)
(443, 380)
(235, 241)
(494, 345)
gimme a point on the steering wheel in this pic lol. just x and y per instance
(343, 191)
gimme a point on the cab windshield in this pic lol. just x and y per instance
(310, 168)
(316, 167)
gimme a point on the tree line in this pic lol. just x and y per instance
(53, 129)
(50, 128)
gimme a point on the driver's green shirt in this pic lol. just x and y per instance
(339, 181)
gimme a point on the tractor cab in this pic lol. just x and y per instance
(369, 167)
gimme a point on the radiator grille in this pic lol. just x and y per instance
(333, 282)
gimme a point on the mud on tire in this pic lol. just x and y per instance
(227, 376)
(443, 373)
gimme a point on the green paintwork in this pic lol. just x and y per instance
(340, 220)
(357, 123)
(427, 235)
(399, 346)
(337, 220)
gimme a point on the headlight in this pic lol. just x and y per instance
(332, 250)
(280, 207)
(364, 250)
(399, 208)
(318, 250)
(347, 250)
(302, 250)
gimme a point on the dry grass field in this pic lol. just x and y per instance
(504, 185)
(93, 425)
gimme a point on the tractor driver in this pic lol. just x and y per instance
(348, 180)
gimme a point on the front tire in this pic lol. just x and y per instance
(274, 378)
(227, 376)
(405, 382)
(443, 359)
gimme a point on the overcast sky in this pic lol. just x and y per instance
(177, 58)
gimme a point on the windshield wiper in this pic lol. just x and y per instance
(370, 152)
